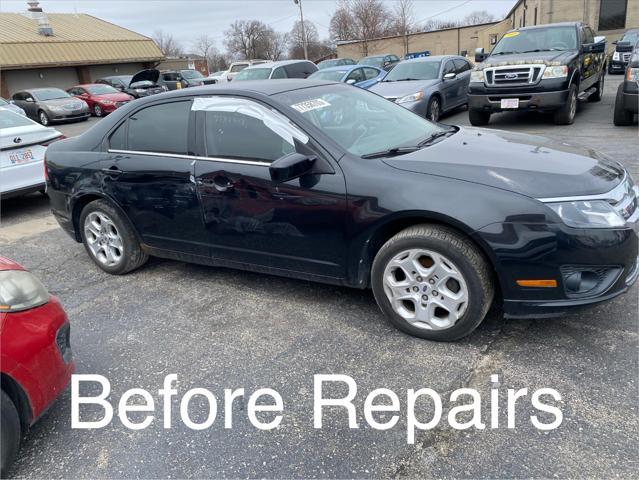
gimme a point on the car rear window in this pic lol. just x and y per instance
(11, 120)
(160, 128)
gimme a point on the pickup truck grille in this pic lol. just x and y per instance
(513, 75)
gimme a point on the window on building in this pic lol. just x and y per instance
(160, 128)
(612, 14)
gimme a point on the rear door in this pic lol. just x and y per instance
(462, 69)
(296, 226)
(149, 173)
(449, 88)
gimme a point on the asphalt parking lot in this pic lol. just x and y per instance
(219, 328)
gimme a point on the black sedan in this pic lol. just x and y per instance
(325, 182)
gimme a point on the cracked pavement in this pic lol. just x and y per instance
(219, 328)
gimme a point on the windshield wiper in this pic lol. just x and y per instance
(391, 152)
(505, 53)
(431, 139)
(542, 50)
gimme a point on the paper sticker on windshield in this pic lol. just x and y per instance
(309, 105)
(511, 34)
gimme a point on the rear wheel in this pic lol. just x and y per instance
(10, 433)
(109, 239)
(478, 118)
(44, 118)
(622, 117)
(432, 283)
(566, 114)
(434, 110)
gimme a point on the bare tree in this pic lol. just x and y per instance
(246, 38)
(434, 24)
(341, 26)
(477, 17)
(370, 19)
(404, 20)
(205, 45)
(167, 43)
(275, 45)
(296, 40)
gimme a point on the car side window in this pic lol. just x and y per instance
(117, 140)
(461, 66)
(160, 128)
(449, 67)
(587, 35)
(18, 96)
(357, 75)
(370, 73)
(279, 73)
(230, 123)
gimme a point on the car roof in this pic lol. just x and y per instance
(345, 68)
(549, 25)
(84, 85)
(264, 87)
(277, 64)
(40, 89)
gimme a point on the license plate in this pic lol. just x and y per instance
(23, 155)
(509, 103)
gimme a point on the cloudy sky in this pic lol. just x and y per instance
(187, 19)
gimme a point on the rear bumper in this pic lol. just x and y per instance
(23, 191)
(491, 102)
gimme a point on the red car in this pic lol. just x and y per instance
(102, 99)
(35, 354)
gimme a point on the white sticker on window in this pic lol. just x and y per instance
(309, 105)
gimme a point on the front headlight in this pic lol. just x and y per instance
(632, 75)
(413, 97)
(140, 90)
(616, 56)
(477, 76)
(556, 72)
(20, 290)
(56, 108)
(588, 214)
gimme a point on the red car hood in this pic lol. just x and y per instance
(114, 97)
(6, 264)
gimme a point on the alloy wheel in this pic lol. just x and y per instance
(44, 120)
(434, 111)
(573, 105)
(426, 289)
(103, 239)
(97, 110)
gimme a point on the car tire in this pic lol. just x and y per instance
(10, 434)
(598, 94)
(43, 118)
(566, 114)
(621, 117)
(434, 109)
(97, 110)
(110, 239)
(478, 118)
(431, 250)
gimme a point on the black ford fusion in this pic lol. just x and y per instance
(324, 182)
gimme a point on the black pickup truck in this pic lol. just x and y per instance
(544, 68)
(627, 100)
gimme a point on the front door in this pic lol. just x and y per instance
(149, 173)
(296, 226)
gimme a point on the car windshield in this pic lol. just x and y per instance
(420, 70)
(101, 89)
(359, 121)
(217, 74)
(191, 74)
(537, 40)
(253, 74)
(238, 68)
(50, 94)
(373, 61)
(10, 120)
(631, 37)
(329, 63)
(330, 75)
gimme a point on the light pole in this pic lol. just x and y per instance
(299, 2)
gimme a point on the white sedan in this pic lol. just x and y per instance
(23, 143)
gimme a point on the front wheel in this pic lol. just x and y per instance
(97, 110)
(10, 434)
(566, 114)
(432, 283)
(109, 238)
(44, 118)
(478, 118)
(434, 110)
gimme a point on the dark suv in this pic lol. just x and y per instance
(545, 67)
(627, 101)
(623, 51)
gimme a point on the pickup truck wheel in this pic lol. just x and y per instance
(109, 239)
(432, 283)
(598, 94)
(10, 433)
(566, 114)
(622, 117)
(478, 118)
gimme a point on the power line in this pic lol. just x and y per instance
(443, 11)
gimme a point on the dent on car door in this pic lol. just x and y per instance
(297, 225)
(148, 171)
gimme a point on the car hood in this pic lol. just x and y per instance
(530, 165)
(60, 102)
(152, 75)
(544, 58)
(114, 97)
(399, 89)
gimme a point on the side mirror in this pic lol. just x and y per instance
(450, 76)
(480, 56)
(351, 81)
(12, 102)
(30, 100)
(291, 166)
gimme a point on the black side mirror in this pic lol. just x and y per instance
(480, 56)
(291, 166)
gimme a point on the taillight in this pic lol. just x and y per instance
(49, 142)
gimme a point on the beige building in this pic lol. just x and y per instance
(607, 17)
(65, 49)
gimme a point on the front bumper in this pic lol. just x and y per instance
(418, 107)
(556, 252)
(491, 102)
(617, 66)
(65, 117)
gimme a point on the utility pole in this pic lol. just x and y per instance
(299, 2)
